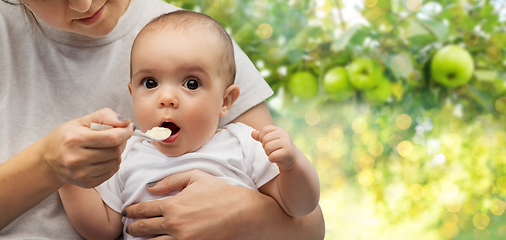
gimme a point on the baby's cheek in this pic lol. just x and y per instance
(203, 122)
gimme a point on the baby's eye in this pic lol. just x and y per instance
(149, 83)
(191, 84)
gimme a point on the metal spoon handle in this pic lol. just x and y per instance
(137, 132)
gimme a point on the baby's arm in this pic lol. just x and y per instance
(297, 188)
(89, 215)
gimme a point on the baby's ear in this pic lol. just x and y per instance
(130, 88)
(231, 94)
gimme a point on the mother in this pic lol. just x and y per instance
(64, 59)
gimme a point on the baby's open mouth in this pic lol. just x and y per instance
(170, 125)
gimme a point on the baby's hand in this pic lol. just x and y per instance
(277, 145)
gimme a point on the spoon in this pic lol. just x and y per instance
(156, 134)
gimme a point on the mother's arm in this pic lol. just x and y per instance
(71, 153)
(25, 181)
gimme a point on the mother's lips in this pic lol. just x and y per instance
(92, 19)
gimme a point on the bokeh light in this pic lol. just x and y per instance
(336, 134)
(502, 231)
(312, 117)
(324, 144)
(481, 234)
(384, 26)
(481, 220)
(449, 232)
(398, 63)
(471, 38)
(229, 6)
(403, 121)
(449, 190)
(449, 219)
(501, 183)
(414, 5)
(494, 54)
(405, 148)
(296, 4)
(500, 104)
(439, 158)
(323, 8)
(416, 192)
(380, 54)
(366, 178)
(359, 125)
(373, 13)
(375, 148)
(215, 3)
(274, 55)
(497, 207)
(264, 31)
(370, 3)
(453, 205)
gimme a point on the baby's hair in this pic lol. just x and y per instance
(184, 20)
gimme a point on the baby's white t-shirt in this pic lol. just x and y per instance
(231, 155)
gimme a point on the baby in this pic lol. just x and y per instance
(182, 78)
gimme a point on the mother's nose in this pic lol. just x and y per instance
(80, 5)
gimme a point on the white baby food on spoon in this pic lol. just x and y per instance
(159, 132)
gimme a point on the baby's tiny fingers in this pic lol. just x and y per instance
(255, 135)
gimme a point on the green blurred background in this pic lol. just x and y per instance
(402, 154)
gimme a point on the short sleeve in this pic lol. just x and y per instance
(110, 192)
(262, 170)
(259, 168)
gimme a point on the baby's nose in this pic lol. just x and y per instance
(168, 99)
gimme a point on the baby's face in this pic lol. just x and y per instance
(94, 18)
(176, 83)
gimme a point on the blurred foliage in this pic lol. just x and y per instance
(425, 162)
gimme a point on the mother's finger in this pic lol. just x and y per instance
(99, 169)
(107, 138)
(105, 116)
(177, 182)
(163, 237)
(149, 226)
(103, 154)
(144, 209)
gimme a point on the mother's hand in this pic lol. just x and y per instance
(200, 211)
(209, 208)
(84, 157)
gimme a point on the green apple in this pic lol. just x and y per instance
(303, 85)
(379, 93)
(337, 84)
(364, 73)
(452, 66)
(499, 87)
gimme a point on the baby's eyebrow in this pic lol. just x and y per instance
(141, 72)
(195, 69)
